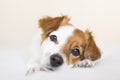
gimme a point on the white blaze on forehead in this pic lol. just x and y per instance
(63, 33)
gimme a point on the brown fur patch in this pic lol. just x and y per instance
(77, 40)
(92, 52)
(85, 43)
(49, 24)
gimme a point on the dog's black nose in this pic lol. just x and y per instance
(56, 60)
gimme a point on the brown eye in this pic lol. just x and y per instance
(75, 52)
(53, 38)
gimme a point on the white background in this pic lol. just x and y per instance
(19, 22)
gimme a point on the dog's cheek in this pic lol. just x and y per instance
(73, 59)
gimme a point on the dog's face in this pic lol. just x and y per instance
(62, 43)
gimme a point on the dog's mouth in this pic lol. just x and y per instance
(50, 68)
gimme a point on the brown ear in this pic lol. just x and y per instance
(49, 24)
(91, 52)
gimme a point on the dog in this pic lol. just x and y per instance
(58, 42)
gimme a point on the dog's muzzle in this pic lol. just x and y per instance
(56, 60)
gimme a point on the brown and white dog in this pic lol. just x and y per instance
(60, 43)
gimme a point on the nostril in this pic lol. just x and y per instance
(59, 62)
(52, 58)
(56, 60)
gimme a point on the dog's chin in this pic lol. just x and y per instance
(50, 68)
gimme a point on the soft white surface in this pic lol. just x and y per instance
(13, 67)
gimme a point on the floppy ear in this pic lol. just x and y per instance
(49, 24)
(91, 52)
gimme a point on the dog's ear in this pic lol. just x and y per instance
(49, 24)
(91, 51)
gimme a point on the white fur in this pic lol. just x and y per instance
(42, 52)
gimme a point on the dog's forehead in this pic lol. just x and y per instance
(63, 33)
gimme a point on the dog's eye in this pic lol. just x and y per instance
(75, 52)
(53, 38)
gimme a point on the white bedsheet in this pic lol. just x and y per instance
(13, 67)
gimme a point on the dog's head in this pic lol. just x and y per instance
(62, 43)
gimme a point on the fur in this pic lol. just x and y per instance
(68, 38)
